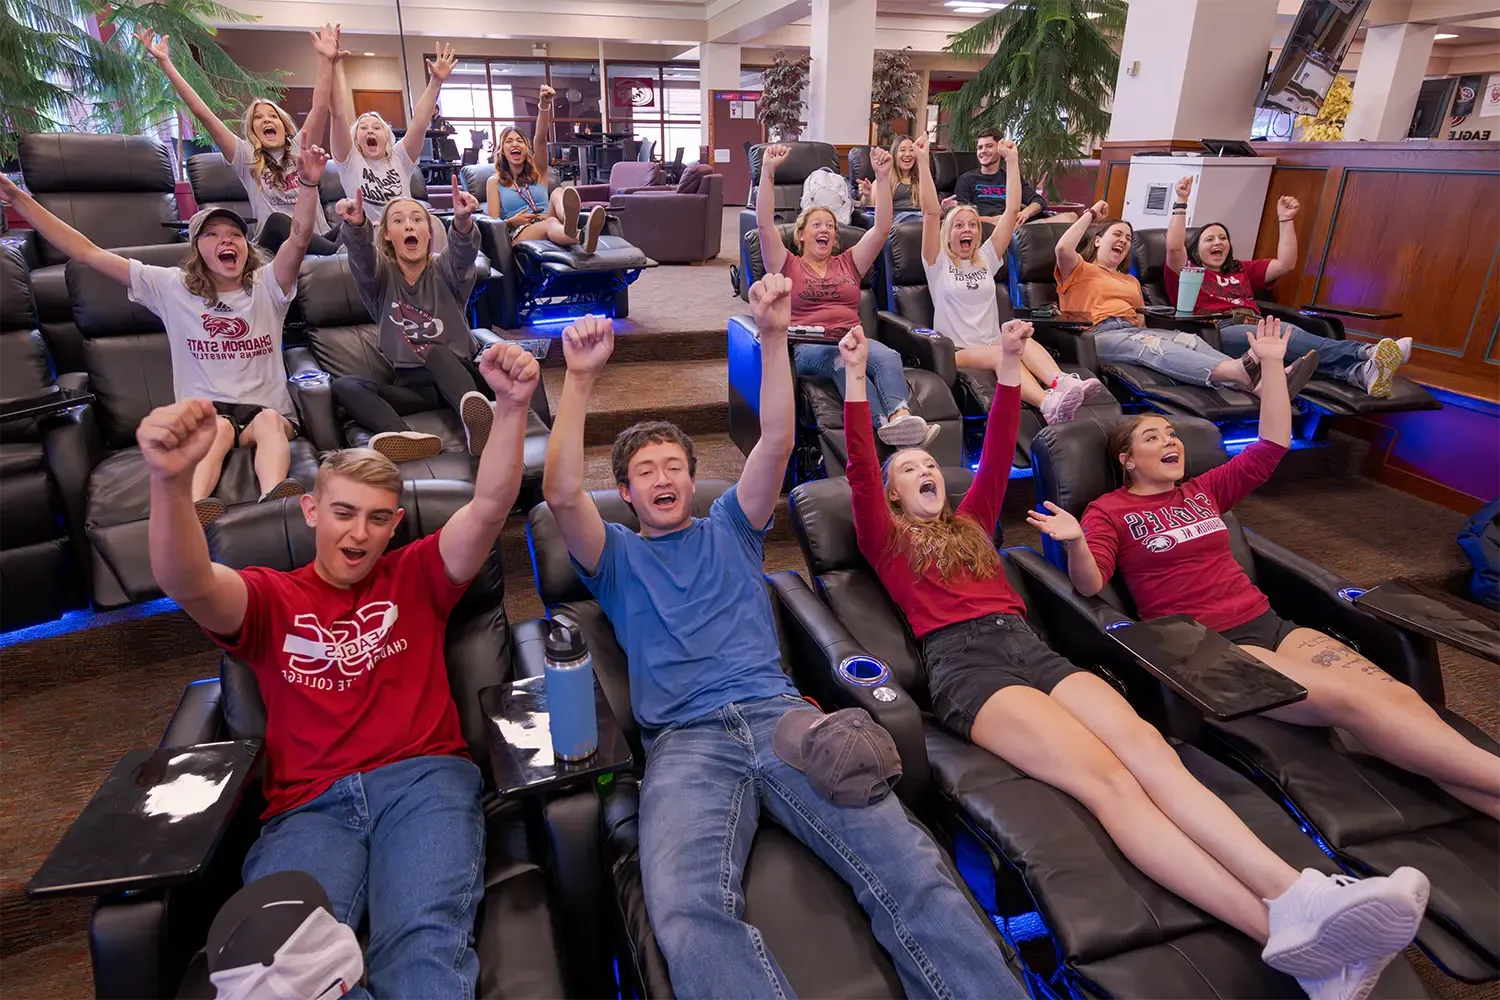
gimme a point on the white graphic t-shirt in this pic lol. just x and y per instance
(382, 181)
(963, 297)
(229, 351)
(268, 198)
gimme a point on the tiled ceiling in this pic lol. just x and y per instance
(924, 7)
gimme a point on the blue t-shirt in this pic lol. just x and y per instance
(512, 202)
(691, 611)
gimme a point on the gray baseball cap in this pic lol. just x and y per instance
(849, 758)
(205, 215)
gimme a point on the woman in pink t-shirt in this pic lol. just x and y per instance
(1169, 542)
(825, 292)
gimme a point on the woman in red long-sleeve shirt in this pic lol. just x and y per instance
(1169, 542)
(995, 682)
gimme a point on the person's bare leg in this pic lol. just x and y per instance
(1195, 810)
(988, 358)
(1232, 372)
(206, 474)
(1344, 689)
(1035, 360)
(270, 434)
(1038, 735)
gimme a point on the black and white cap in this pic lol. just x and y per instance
(206, 215)
(277, 939)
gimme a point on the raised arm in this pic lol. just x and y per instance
(932, 207)
(544, 98)
(64, 237)
(872, 517)
(1287, 208)
(441, 66)
(1177, 257)
(587, 345)
(456, 262)
(1268, 344)
(1060, 526)
(987, 493)
(217, 130)
(326, 43)
(765, 468)
(173, 440)
(288, 262)
(773, 252)
(1005, 226)
(470, 533)
(1067, 246)
(873, 241)
(341, 108)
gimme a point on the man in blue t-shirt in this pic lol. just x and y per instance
(687, 599)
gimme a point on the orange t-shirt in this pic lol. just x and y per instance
(1100, 292)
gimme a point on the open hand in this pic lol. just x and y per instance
(587, 344)
(880, 162)
(1013, 336)
(443, 62)
(854, 348)
(771, 302)
(352, 210)
(464, 203)
(511, 372)
(1100, 210)
(1268, 343)
(175, 438)
(772, 157)
(326, 41)
(1287, 208)
(310, 163)
(1060, 526)
(156, 48)
(1183, 188)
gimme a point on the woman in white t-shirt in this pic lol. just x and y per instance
(266, 155)
(223, 310)
(961, 266)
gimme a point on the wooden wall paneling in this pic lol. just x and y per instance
(1414, 241)
(1487, 318)
(1116, 177)
(1307, 185)
(389, 103)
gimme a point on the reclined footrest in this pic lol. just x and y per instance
(558, 281)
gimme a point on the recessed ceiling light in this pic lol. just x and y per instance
(970, 9)
(982, 5)
(369, 53)
(1444, 36)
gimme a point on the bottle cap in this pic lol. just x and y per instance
(565, 641)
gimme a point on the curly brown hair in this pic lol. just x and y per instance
(529, 173)
(196, 276)
(953, 544)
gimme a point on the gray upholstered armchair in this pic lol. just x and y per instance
(674, 226)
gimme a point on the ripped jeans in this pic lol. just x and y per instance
(1185, 357)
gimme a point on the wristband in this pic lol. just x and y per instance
(305, 184)
(1179, 204)
(1179, 211)
(1280, 219)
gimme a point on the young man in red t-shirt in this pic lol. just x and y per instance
(368, 783)
(1230, 284)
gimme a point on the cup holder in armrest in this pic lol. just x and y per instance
(865, 671)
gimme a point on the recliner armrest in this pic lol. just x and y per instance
(528, 641)
(1309, 594)
(312, 391)
(932, 351)
(1066, 342)
(821, 646)
(73, 446)
(593, 192)
(1323, 326)
(28, 241)
(197, 718)
(494, 242)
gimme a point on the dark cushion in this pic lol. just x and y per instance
(17, 309)
(215, 182)
(693, 177)
(1034, 250)
(83, 161)
(102, 306)
(612, 254)
(327, 293)
(801, 162)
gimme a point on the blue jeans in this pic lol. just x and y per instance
(706, 783)
(404, 845)
(887, 382)
(1336, 358)
(1183, 356)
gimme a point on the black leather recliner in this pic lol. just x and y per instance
(215, 185)
(1108, 929)
(148, 944)
(1031, 264)
(103, 478)
(117, 190)
(948, 165)
(38, 568)
(1371, 816)
(809, 918)
(820, 408)
(908, 308)
(1335, 396)
(343, 340)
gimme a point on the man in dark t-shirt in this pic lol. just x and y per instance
(985, 188)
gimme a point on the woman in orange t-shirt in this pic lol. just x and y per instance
(1093, 277)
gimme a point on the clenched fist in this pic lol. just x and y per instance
(587, 345)
(175, 438)
(511, 372)
(771, 302)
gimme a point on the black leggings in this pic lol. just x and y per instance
(275, 230)
(379, 406)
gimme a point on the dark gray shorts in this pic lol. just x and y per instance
(1265, 631)
(967, 662)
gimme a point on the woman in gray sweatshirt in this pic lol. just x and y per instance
(418, 298)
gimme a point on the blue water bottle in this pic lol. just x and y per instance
(570, 692)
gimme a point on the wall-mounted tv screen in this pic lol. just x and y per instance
(1310, 59)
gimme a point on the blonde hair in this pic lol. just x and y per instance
(952, 543)
(806, 216)
(947, 230)
(385, 246)
(200, 281)
(260, 161)
(529, 173)
(390, 136)
(361, 465)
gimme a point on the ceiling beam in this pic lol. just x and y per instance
(744, 20)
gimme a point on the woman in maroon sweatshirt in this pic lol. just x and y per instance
(995, 682)
(1168, 541)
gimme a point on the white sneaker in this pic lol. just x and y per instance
(1091, 386)
(478, 416)
(909, 431)
(406, 446)
(1353, 982)
(932, 433)
(1405, 344)
(1324, 923)
(1062, 401)
(1376, 373)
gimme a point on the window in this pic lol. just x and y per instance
(659, 103)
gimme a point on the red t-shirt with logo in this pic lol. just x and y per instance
(352, 679)
(829, 300)
(1173, 548)
(1222, 291)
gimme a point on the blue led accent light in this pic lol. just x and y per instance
(1119, 624)
(76, 621)
(1026, 926)
(1350, 594)
(866, 671)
